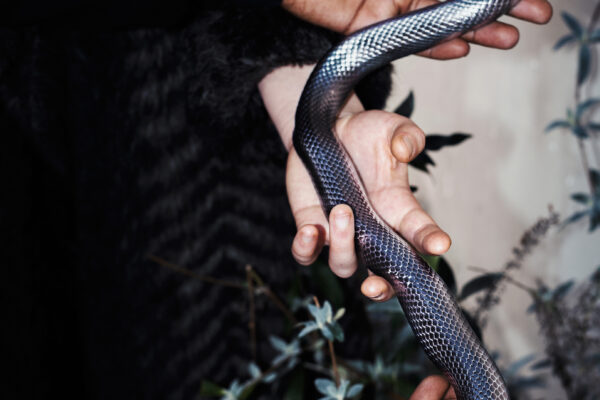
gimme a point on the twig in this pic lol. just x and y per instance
(262, 288)
(185, 271)
(334, 367)
(252, 319)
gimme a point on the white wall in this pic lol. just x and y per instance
(487, 191)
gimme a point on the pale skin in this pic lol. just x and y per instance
(379, 143)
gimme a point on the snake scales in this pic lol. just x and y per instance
(430, 308)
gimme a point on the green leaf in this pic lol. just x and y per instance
(337, 331)
(586, 105)
(545, 363)
(582, 198)
(324, 385)
(277, 343)
(575, 217)
(355, 390)
(573, 24)
(568, 38)
(594, 219)
(421, 162)
(557, 124)
(254, 370)
(327, 312)
(310, 327)
(594, 126)
(579, 131)
(326, 331)
(595, 36)
(595, 178)
(584, 64)
(514, 368)
(562, 290)
(406, 108)
(480, 283)
(435, 142)
(339, 314)
(211, 389)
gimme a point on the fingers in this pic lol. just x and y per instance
(342, 256)
(421, 231)
(408, 140)
(306, 208)
(497, 34)
(433, 387)
(307, 244)
(536, 11)
(376, 288)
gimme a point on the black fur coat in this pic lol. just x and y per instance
(120, 144)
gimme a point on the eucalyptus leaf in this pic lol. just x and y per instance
(421, 162)
(269, 378)
(595, 36)
(579, 131)
(545, 363)
(557, 124)
(586, 105)
(514, 368)
(278, 343)
(323, 385)
(435, 141)
(595, 178)
(310, 327)
(562, 290)
(354, 390)
(594, 126)
(575, 217)
(254, 370)
(406, 108)
(569, 38)
(337, 331)
(582, 198)
(326, 331)
(573, 24)
(480, 283)
(584, 64)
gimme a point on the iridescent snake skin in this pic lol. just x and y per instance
(430, 308)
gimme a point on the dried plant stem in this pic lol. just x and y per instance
(261, 287)
(204, 278)
(252, 311)
(334, 367)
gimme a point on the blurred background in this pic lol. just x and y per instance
(492, 188)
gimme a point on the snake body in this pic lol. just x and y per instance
(430, 308)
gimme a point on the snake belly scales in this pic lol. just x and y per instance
(430, 308)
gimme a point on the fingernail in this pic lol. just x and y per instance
(342, 220)
(378, 297)
(306, 237)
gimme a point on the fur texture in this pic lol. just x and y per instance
(120, 144)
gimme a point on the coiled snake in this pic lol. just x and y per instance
(430, 308)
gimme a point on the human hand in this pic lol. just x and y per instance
(434, 387)
(380, 145)
(347, 16)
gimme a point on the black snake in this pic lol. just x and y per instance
(430, 308)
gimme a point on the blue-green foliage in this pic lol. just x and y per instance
(334, 392)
